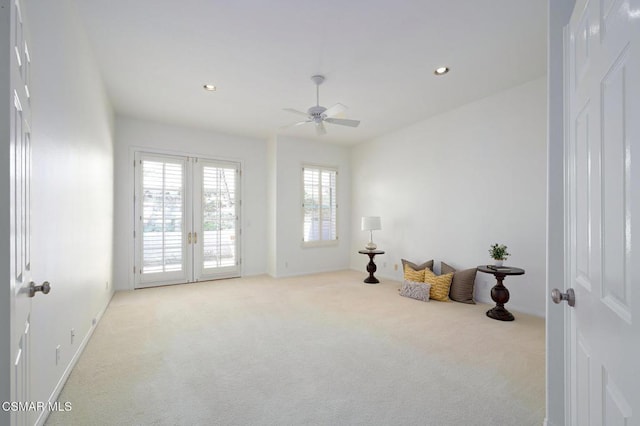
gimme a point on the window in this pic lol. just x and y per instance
(320, 205)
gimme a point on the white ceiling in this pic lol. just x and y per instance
(378, 57)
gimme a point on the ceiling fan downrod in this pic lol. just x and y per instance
(317, 79)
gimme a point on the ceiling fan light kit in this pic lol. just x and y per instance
(319, 115)
(441, 70)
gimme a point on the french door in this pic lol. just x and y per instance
(187, 213)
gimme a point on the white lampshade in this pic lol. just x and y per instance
(371, 223)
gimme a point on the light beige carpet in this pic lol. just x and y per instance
(322, 349)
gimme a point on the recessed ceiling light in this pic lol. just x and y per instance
(209, 87)
(441, 71)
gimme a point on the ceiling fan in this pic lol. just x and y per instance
(319, 115)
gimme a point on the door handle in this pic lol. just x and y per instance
(189, 238)
(45, 288)
(570, 296)
(195, 238)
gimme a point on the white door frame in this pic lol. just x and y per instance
(559, 13)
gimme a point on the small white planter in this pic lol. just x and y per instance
(498, 262)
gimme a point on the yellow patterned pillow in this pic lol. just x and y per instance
(411, 274)
(439, 285)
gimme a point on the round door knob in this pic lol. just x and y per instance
(570, 296)
(45, 288)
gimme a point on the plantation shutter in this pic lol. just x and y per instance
(219, 218)
(320, 205)
(162, 216)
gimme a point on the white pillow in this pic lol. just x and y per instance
(415, 290)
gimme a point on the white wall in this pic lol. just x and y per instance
(448, 187)
(72, 187)
(291, 257)
(133, 134)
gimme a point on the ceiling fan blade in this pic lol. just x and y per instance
(335, 110)
(320, 129)
(295, 111)
(299, 123)
(343, 122)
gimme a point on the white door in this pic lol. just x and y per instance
(162, 221)
(187, 219)
(20, 207)
(603, 200)
(216, 219)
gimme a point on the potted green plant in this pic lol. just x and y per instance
(499, 253)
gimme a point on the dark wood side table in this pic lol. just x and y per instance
(371, 266)
(499, 293)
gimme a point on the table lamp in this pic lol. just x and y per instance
(371, 223)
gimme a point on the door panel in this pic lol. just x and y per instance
(603, 192)
(616, 212)
(583, 218)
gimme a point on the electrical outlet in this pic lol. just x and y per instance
(73, 335)
(57, 354)
(395, 267)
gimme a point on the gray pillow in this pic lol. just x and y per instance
(415, 267)
(414, 290)
(462, 284)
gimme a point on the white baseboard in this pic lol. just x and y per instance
(63, 379)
